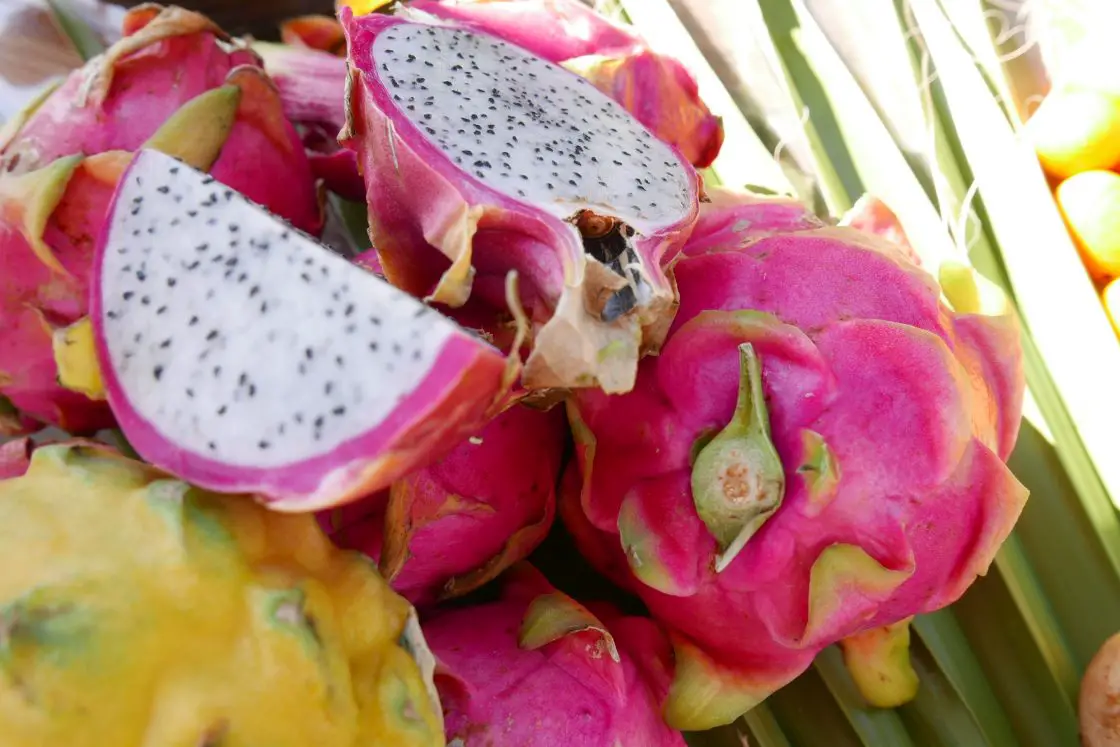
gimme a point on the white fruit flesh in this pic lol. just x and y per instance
(241, 339)
(528, 128)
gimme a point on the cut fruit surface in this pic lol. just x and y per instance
(241, 355)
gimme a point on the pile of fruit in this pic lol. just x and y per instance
(1076, 133)
(357, 500)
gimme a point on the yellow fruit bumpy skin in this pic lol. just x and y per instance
(137, 611)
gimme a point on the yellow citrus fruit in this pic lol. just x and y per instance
(1090, 204)
(1111, 299)
(1076, 130)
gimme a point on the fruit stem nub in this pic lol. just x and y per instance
(737, 478)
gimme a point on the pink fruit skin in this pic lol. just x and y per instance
(452, 402)
(262, 158)
(464, 519)
(312, 87)
(655, 88)
(569, 692)
(15, 456)
(34, 300)
(421, 202)
(919, 406)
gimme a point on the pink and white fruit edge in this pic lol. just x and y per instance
(636, 447)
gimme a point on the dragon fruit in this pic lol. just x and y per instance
(537, 669)
(655, 88)
(445, 530)
(138, 610)
(167, 58)
(222, 116)
(242, 356)
(817, 452)
(498, 160)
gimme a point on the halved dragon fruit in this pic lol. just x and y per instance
(480, 157)
(816, 456)
(655, 88)
(444, 530)
(537, 669)
(242, 356)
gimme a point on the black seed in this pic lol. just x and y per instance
(145, 300)
(193, 321)
(373, 346)
(202, 247)
(340, 410)
(166, 343)
(190, 393)
(309, 353)
(161, 309)
(157, 372)
(171, 282)
(141, 276)
(243, 379)
(328, 388)
(223, 409)
(213, 446)
(163, 190)
(213, 335)
(254, 290)
(252, 390)
(217, 371)
(127, 295)
(320, 421)
(262, 445)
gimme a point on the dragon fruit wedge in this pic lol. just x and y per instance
(139, 610)
(221, 116)
(817, 453)
(655, 88)
(537, 669)
(480, 158)
(445, 530)
(242, 356)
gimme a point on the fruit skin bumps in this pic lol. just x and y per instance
(138, 611)
(535, 668)
(818, 451)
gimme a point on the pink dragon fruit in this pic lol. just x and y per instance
(479, 158)
(166, 58)
(242, 356)
(537, 669)
(817, 452)
(445, 530)
(169, 83)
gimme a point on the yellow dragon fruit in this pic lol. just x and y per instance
(136, 611)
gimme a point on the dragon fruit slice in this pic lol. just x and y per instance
(537, 669)
(242, 356)
(499, 159)
(891, 416)
(222, 116)
(444, 530)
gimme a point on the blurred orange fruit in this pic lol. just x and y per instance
(1111, 299)
(1076, 130)
(1090, 204)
